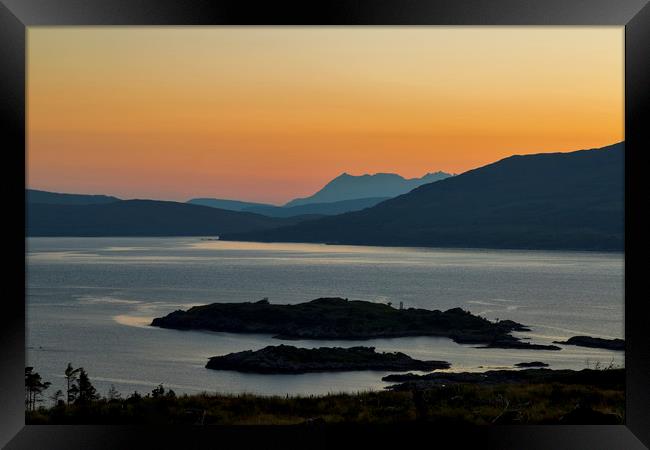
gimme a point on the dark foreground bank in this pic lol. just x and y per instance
(584, 397)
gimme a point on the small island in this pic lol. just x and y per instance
(287, 359)
(339, 318)
(531, 364)
(593, 342)
(507, 341)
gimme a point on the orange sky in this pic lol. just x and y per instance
(273, 113)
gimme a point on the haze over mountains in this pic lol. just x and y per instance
(350, 187)
(548, 201)
(344, 193)
(57, 214)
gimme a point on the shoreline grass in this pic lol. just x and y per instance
(524, 403)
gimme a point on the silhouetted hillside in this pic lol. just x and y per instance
(142, 218)
(311, 209)
(547, 201)
(232, 205)
(349, 187)
(56, 198)
(327, 209)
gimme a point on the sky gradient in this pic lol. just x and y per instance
(272, 113)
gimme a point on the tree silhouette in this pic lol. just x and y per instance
(71, 376)
(113, 394)
(86, 391)
(34, 387)
(57, 397)
(158, 391)
(135, 397)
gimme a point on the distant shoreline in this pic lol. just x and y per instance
(407, 247)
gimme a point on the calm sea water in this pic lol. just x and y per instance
(90, 300)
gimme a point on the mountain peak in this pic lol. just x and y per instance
(437, 173)
(353, 187)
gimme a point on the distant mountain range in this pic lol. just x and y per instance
(547, 201)
(380, 185)
(344, 193)
(55, 198)
(143, 218)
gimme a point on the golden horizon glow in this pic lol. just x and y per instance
(273, 113)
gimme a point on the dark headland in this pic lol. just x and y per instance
(287, 359)
(593, 342)
(338, 318)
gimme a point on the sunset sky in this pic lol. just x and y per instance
(273, 113)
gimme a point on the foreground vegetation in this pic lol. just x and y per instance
(569, 402)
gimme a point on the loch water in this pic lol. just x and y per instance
(90, 301)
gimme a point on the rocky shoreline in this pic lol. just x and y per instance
(287, 359)
(343, 319)
(604, 378)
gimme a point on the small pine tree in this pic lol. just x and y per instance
(86, 391)
(113, 394)
(158, 392)
(34, 387)
(57, 397)
(72, 389)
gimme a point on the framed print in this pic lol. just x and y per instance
(359, 220)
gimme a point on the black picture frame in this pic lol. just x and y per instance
(16, 15)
